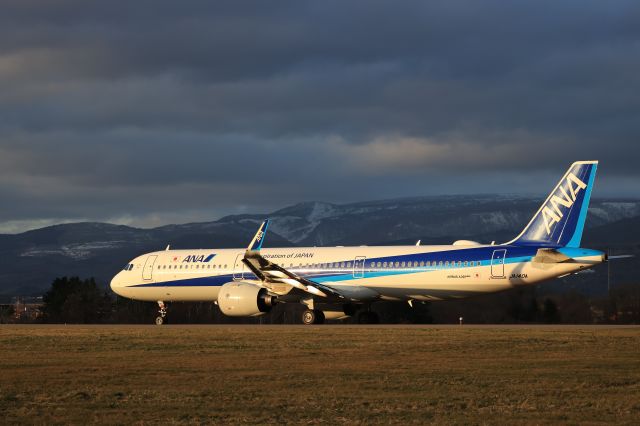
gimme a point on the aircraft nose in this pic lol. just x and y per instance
(116, 283)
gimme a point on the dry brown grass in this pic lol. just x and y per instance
(328, 374)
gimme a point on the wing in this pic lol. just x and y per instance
(270, 273)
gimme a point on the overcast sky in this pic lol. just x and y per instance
(155, 112)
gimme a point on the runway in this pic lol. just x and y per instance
(565, 327)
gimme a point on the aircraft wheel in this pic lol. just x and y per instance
(162, 313)
(308, 317)
(312, 316)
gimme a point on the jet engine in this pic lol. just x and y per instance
(242, 299)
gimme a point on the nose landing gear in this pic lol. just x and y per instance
(162, 317)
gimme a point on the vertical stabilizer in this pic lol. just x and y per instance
(560, 220)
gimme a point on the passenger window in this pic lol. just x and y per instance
(466, 263)
(422, 263)
(342, 264)
(397, 264)
(384, 265)
(440, 264)
(348, 264)
(404, 264)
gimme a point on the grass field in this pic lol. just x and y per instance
(325, 374)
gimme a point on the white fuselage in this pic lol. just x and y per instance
(362, 273)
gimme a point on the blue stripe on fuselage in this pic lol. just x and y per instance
(514, 254)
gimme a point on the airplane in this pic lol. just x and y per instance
(338, 282)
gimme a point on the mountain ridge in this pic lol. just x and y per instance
(29, 261)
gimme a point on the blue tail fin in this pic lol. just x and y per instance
(560, 220)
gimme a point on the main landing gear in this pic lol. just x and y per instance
(312, 316)
(162, 317)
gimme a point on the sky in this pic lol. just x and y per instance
(153, 112)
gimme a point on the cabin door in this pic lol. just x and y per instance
(497, 263)
(358, 267)
(147, 271)
(238, 268)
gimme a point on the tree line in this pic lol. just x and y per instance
(83, 301)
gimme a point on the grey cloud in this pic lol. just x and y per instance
(199, 106)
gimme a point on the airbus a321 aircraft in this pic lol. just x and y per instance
(337, 282)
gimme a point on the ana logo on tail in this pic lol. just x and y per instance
(552, 211)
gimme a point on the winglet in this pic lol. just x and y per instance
(256, 243)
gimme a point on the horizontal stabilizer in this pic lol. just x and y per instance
(545, 255)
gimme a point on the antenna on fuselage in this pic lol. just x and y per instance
(168, 247)
(418, 242)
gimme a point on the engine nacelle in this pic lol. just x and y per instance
(242, 299)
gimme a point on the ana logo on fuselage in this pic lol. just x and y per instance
(194, 258)
(564, 197)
